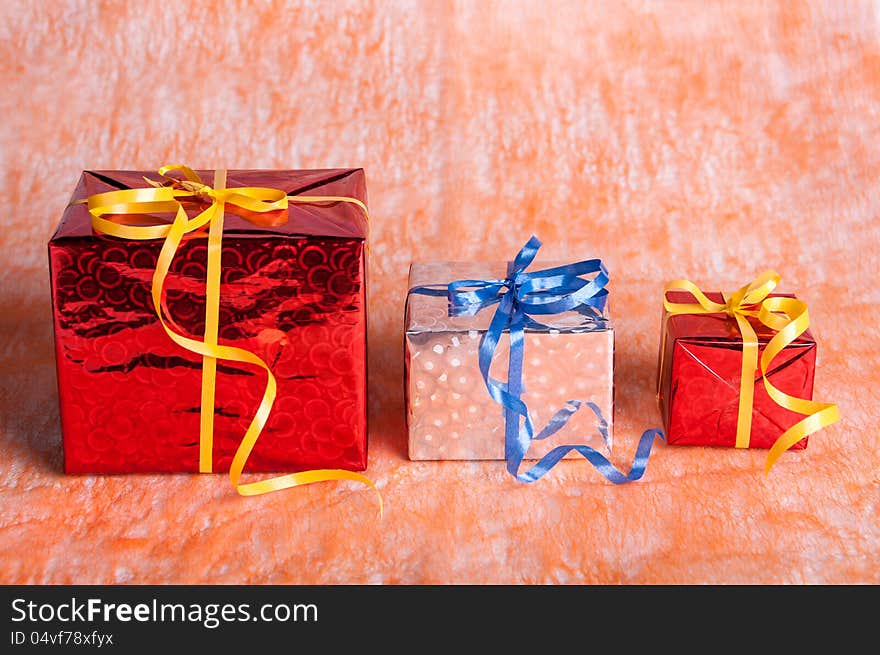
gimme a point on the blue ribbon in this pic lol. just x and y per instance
(520, 297)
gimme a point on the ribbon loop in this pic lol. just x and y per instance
(130, 206)
(188, 173)
(789, 319)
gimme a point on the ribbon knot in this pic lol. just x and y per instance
(196, 187)
(210, 194)
(524, 294)
(789, 319)
(191, 185)
(521, 296)
(732, 307)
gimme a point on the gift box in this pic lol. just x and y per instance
(737, 369)
(450, 413)
(291, 301)
(700, 381)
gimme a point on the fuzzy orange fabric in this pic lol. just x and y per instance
(698, 140)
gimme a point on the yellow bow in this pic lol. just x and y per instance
(259, 205)
(789, 319)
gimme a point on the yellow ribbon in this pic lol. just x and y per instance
(789, 319)
(256, 204)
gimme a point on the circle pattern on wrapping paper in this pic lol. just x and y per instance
(341, 259)
(140, 297)
(151, 411)
(174, 295)
(322, 429)
(85, 261)
(341, 361)
(230, 275)
(319, 354)
(231, 258)
(98, 440)
(283, 425)
(115, 255)
(182, 308)
(88, 288)
(256, 259)
(316, 408)
(230, 332)
(116, 296)
(119, 427)
(104, 303)
(329, 451)
(340, 284)
(312, 256)
(344, 435)
(66, 279)
(143, 257)
(62, 260)
(284, 253)
(108, 277)
(195, 270)
(114, 353)
(290, 319)
(318, 276)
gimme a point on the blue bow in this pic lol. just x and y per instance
(520, 297)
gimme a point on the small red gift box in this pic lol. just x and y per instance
(701, 371)
(292, 292)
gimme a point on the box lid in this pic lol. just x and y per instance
(341, 219)
(718, 328)
(431, 313)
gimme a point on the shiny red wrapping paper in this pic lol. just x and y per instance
(293, 294)
(701, 366)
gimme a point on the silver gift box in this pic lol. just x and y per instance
(450, 414)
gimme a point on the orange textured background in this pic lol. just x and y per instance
(706, 140)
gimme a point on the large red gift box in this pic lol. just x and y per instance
(700, 375)
(291, 293)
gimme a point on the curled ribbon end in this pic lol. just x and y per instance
(362, 479)
(365, 480)
(303, 478)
